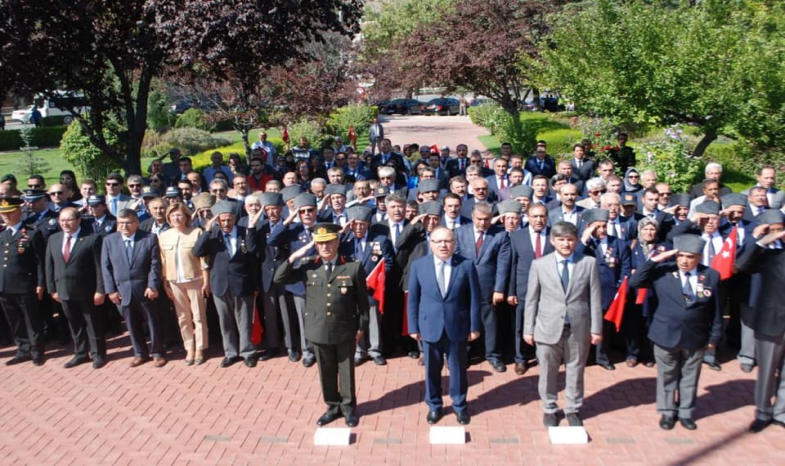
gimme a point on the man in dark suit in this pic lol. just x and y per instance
(234, 278)
(131, 267)
(368, 248)
(526, 245)
(568, 211)
(541, 163)
(457, 166)
(613, 259)
(22, 282)
(384, 157)
(713, 171)
(498, 180)
(337, 311)
(444, 313)
(687, 320)
(375, 135)
(563, 315)
(156, 223)
(74, 279)
(767, 257)
(582, 169)
(488, 247)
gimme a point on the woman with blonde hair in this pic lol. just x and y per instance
(186, 280)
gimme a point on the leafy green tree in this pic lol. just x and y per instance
(88, 160)
(712, 64)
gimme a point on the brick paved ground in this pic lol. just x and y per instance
(208, 415)
(433, 129)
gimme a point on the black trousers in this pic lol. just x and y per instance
(87, 330)
(134, 313)
(27, 323)
(336, 373)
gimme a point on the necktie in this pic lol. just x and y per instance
(228, 241)
(440, 278)
(501, 183)
(129, 250)
(565, 275)
(580, 163)
(461, 164)
(712, 252)
(114, 206)
(538, 247)
(480, 241)
(67, 250)
(686, 289)
(329, 267)
(358, 248)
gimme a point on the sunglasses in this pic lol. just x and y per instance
(134, 185)
(633, 176)
(309, 210)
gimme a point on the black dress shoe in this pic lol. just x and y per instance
(758, 425)
(99, 362)
(309, 361)
(607, 366)
(463, 418)
(294, 356)
(351, 419)
(359, 360)
(75, 361)
(17, 360)
(573, 420)
(550, 420)
(414, 354)
(38, 360)
(747, 368)
(687, 423)
(229, 361)
(269, 354)
(250, 361)
(713, 366)
(521, 368)
(328, 417)
(667, 422)
(498, 366)
(434, 416)
(778, 423)
(380, 360)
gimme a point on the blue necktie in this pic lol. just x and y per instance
(686, 289)
(129, 250)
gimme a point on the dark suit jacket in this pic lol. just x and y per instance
(493, 262)
(676, 324)
(376, 162)
(108, 226)
(377, 247)
(697, 190)
(585, 172)
(336, 306)
(22, 271)
(147, 225)
(412, 244)
(453, 167)
(430, 314)
(132, 279)
(522, 255)
(81, 276)
(614, 265)
(273, 256)
(769, 315)
(237, 275)
(548, 169)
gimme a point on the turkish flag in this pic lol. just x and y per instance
(641, 297)
(285, 135)
(375, 282)
(352, 136)
(615, 312)
(256, 330)
(723, 262)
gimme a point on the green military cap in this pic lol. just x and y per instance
(323, 232)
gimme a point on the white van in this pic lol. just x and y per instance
(53, 106)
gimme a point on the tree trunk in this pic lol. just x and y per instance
(248, 153)
(137, 125)
(708, 137)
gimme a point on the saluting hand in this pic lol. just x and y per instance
(772, 237)
(663, 256)
(300, 252)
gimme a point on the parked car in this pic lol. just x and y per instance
(403, 107)
(441, 106)
(55, 105)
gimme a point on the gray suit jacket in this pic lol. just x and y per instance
(547, 303)
(777, 199)
(131, 279)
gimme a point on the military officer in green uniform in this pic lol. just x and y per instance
(336, 311)
(22, 282)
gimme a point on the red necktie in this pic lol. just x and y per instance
(67, 250)
(501, 183)
(478, 244)
(537, 247)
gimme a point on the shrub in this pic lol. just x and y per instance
(41, 137)
(671, 158)
(88, 160)
(158, 116)
(193, 118)
(357, 115)
(311, 130)
(201, 160)
(189, 140)
(522, 136)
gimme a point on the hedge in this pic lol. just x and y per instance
(42, 137)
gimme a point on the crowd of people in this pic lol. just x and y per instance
(344, 258)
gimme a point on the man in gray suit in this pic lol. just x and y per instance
(563, 315)
(131, 267)
(375, 135)
(767, 178)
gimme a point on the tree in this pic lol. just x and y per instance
(712, 64)
(478, 45)
(111, 51)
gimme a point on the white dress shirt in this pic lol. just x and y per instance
(447, 271)
(73, 237)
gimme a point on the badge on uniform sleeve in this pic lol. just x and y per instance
(108, 228)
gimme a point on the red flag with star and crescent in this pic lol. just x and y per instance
(723, 262)
(285, 135)
(615, 311)
(375, 282)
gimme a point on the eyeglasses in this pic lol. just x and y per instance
(113, 185)
(442, 241)
(135, 185)
(308, 210)
(131, 222)
(217, 190)
(56, 193)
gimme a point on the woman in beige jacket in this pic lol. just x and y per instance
(186, 280)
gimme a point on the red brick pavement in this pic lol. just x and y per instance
(180, 415)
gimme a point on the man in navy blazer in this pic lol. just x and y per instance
(523, 250)
(131, 267)
(489, 248)
(444, 313)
